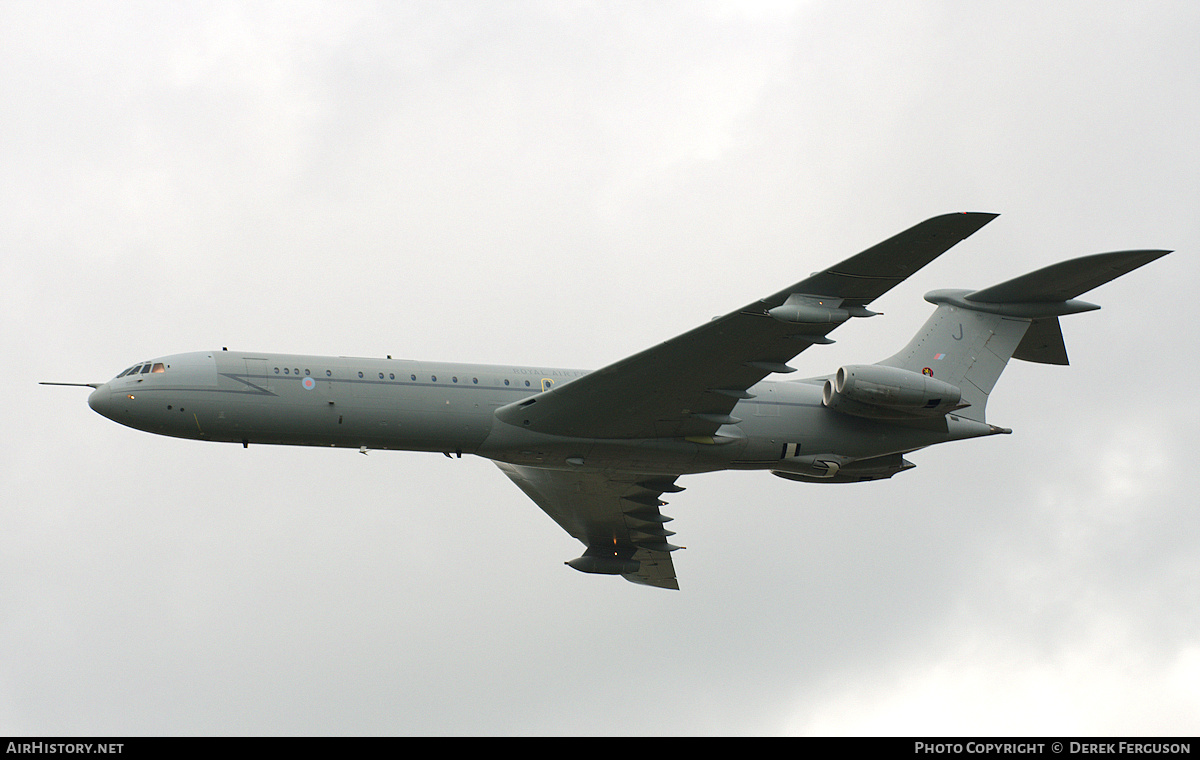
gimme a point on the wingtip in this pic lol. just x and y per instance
(966, 220)
(989, 215)
(962, 223)
(1150, 256)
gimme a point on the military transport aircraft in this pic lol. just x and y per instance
(597, 450)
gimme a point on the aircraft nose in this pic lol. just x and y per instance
(100, 400)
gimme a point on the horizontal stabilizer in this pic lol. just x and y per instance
(1067, 279)
(971, 336)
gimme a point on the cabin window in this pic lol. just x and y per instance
(360, 374)
(328, 373)
(414, 378)
(391, 376)
(454, 379)
(433, 378)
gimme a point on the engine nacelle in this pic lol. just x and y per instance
(879, 392)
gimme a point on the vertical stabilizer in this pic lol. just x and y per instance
(965, 348)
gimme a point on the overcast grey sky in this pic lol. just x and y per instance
(564, 184)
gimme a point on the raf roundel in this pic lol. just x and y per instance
(309, 383)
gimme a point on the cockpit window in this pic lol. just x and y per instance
(143, 368)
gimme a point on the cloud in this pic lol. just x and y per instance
(988, 689)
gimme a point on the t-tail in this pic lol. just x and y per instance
(969, 339)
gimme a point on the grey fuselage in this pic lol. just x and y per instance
(408, 405)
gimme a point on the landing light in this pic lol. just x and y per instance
(129, 396)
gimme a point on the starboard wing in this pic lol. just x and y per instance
(687, 386)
